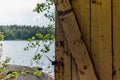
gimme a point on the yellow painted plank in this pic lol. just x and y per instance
(63, 57)
(74, 40)
(116, 39)
(101, 40)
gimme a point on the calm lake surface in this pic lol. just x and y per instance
(15, 50)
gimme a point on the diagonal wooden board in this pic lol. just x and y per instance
(59, 52)
(82, 12)
(75, 42)
(83, 15)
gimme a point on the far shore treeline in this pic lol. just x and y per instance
(23, 32)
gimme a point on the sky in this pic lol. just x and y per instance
(20, 12)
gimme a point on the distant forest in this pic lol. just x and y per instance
(23, 32)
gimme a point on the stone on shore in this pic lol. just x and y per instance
(29, 75)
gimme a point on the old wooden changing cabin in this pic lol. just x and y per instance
(87, 40)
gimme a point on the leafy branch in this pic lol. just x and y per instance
(46, 8)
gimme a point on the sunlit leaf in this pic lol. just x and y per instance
(37, 73)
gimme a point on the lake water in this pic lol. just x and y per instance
(15, 50)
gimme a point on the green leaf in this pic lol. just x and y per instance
(37, 73)
(33, 38)
(37, 57)
(15, 74)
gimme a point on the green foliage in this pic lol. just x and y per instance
(47, 8)
(23, 32)
(46, 34)
(1, 36)
(37, 57)
(2, 62)
(15, 74)
(37, 73)
(47, 40)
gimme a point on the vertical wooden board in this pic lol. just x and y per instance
(74, 40)
(59, 69)
(82, 11)
(116, 39)
(101, 40)
(63, 58)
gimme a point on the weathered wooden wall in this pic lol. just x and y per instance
(87, 40)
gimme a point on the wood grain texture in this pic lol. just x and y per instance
(116, 39)
(101, 38)
(59, 52)
(75, 75)
(63, 57)
(75, 42)
(82, 12)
